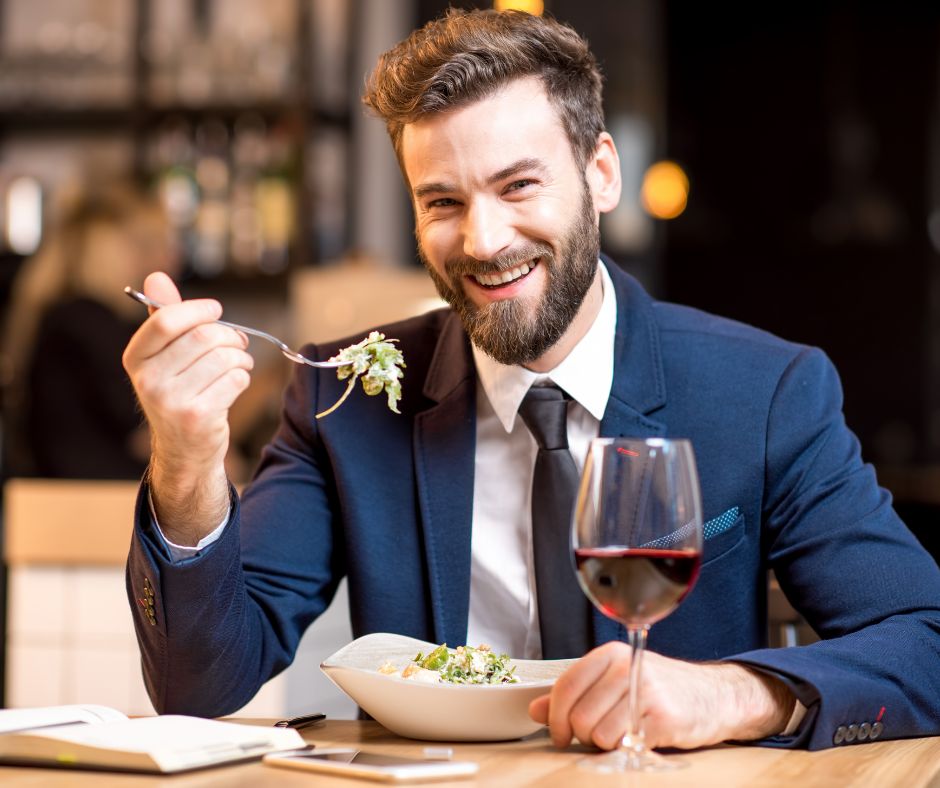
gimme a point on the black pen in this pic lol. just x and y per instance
(300, 722)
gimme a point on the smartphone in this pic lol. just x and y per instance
(373, 765)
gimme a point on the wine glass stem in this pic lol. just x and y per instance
(632, 741)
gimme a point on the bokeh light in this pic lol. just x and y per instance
(534, 7)
(24, 215)
(665, 190)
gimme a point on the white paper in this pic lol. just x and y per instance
(25, 719)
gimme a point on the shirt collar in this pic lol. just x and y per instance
(586, 373)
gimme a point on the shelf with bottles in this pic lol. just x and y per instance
(230, 190)
(237, 111)
(242, 186)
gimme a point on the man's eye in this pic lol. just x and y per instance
(442, 202)
(516, 185)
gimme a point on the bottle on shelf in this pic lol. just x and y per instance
(229, 193)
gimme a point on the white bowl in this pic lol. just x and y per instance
(439, 712)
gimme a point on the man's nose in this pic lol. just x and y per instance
(487, 230)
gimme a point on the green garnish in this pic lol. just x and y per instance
(378, 363)
(468, 665)
(435, 660)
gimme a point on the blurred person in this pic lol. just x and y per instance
(497, 123)
(72, 411)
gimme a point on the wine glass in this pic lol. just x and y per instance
(637, 540)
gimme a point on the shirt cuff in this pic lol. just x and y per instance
(180, 552)
(799, 712)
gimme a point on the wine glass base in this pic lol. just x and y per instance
(625, 760)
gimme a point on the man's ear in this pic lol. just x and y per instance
(603, 174)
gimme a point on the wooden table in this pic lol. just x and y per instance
(911, 763)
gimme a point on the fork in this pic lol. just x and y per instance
(293, 355)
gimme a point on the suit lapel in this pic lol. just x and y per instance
(444, 446)
(639, 381)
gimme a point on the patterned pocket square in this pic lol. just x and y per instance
(721, 523)
(712, 528)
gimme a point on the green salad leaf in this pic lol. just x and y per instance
(436, 660)
(468, 665)
(378, 363)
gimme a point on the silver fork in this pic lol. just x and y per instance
(293, 355)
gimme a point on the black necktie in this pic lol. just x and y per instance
(564, 611)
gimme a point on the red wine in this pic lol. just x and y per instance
(637, 586)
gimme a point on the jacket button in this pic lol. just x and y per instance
(851, 733)
(864, 731)
(840, 735)
(876, 729)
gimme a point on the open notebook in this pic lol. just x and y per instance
(98, 737)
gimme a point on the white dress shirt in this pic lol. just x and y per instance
(503, 605)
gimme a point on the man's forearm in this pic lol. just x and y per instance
(188, 505)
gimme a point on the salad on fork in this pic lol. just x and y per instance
(375, 360)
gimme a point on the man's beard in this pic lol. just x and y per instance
(507, 330)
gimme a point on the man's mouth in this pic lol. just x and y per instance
(505, 277)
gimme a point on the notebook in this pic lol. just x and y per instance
(98, 737)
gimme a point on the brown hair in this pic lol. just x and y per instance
(466, 55)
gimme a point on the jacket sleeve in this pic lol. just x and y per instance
(213, 628)
(850, 566)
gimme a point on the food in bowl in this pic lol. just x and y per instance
(463, 665)
(441, 711)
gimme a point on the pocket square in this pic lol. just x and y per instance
(721, 523)
(713, 527)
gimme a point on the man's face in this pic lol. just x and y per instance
(506, 224)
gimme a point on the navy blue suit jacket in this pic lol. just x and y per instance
(385, 500)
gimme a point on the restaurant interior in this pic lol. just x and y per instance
(781, 168)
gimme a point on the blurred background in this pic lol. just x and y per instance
(781, 168)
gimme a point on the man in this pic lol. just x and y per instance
(496, 120)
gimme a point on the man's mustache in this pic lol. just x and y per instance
(464, 266)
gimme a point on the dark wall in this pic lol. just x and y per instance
(806, 137)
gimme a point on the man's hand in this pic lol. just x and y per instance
(187, 371)
(682, 704)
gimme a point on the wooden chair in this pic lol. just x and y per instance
(67, 522)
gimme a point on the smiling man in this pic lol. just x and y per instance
(437, 516)
(497, 233)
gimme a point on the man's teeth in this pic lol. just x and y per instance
(504, 277)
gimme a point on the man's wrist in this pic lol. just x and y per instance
(178, 552)
(765, 704)
(188, 506)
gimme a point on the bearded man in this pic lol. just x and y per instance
(497, 123)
